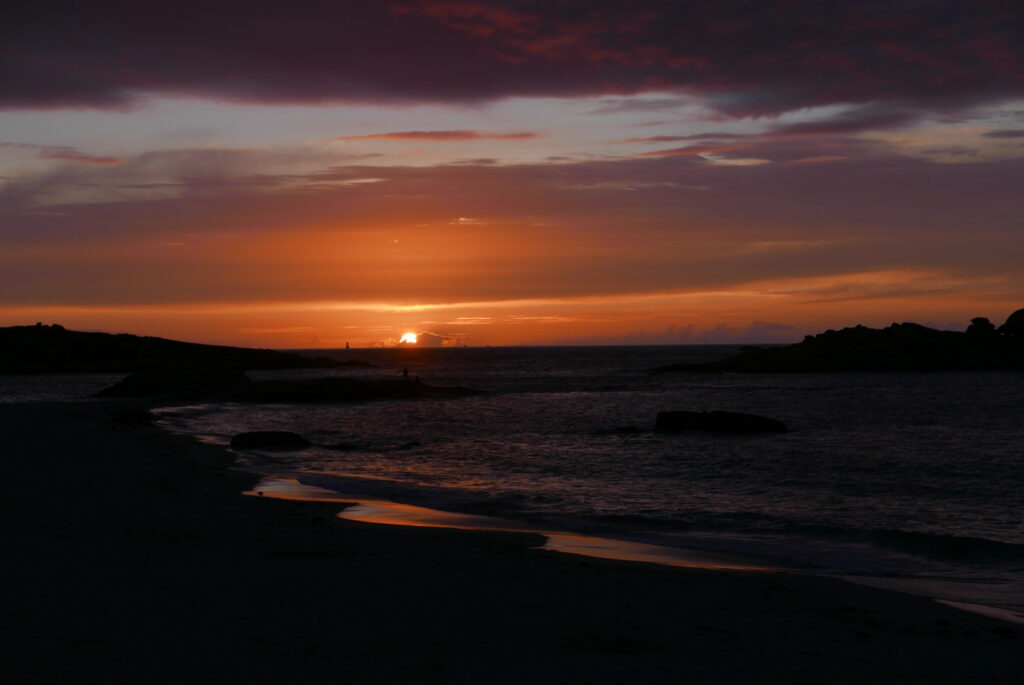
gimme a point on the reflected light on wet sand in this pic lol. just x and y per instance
(374, 510)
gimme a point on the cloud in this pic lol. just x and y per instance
(688, 150)
(691, 334)
(629, 105)
(740, 58)
(65, 153)
(444, 136)
(88, 235)
(680, 139)
(873, 116)
(1005, 133)
(430, 339)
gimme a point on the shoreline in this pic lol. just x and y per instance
(376, 510)
(387, 512)
(139, 560)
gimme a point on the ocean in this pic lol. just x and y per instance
(910, 481)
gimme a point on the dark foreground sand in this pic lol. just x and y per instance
(130, 557)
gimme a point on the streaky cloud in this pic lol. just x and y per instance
(444, 136)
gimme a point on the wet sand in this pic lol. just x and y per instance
(132, 557)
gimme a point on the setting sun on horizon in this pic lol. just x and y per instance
(639, 186)
(739, 279)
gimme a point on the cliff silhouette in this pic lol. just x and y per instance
(54, 349)
(900, 347)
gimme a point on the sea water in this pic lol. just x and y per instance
(910, 481)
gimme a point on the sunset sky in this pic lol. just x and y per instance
(302, 174)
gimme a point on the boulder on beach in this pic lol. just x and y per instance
(717, 422)
(281, 440)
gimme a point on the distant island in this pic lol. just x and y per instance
(899, 347)
(54, 349)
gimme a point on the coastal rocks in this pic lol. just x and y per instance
(54, 349)
(185, 379)
(280, 440)
(1014, 324)
(901, 347)
(733, 423)
(980, 325)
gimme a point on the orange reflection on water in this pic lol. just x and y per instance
(373, 510)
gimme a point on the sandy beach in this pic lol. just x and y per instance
(133, 557)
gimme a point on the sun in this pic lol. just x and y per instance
(408, 339)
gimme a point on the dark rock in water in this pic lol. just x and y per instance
(281, 440)
(185, 380)
(717, 422)
(1014, 324)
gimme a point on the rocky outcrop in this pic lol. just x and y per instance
(181, 380)
(54, 349)
(899, 347)
(278, 440)
(1014, 325)
(732, 423)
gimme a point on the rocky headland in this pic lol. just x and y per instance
(54, 349)
(906, 347)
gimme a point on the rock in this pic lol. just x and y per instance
(281, 440)
(980, 325)
(54, 349)
(1014, 324)
(185, 379)
(901, 347)
(717, 422)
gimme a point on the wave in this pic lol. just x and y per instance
(936, 546)
(947, 547)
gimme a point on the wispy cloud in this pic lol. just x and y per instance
(445, 136)
(688, 151)
(1005, 133)
(65, 153)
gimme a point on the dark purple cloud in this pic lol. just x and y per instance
(748, 57)
(1005, 133)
